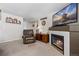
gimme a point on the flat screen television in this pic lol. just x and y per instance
(66, 15)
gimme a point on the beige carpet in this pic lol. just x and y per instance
(17, 48)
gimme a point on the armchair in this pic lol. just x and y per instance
(28, 36)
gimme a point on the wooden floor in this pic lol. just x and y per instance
(17, 48)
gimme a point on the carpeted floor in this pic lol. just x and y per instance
(17, 48)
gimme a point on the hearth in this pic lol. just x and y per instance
(58, 41)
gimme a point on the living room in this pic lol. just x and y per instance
(39, 28)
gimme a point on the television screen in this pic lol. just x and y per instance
(66, 15)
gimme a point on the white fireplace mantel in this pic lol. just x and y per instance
(66, 40)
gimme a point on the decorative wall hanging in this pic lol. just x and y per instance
(43, 20)
(33, 25)
(43, 23)
(11, 20)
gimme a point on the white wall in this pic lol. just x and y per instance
(45, 29)
(27, 25)
(9, 31)
(24, 24)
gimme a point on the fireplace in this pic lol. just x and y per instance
(58, 41)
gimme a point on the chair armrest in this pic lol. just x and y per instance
(23, 36)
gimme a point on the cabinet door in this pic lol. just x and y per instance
(45, 38)
(38, 37)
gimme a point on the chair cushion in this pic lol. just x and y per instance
(29, 38)
(29, 41)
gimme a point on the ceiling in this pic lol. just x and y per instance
(31, 11)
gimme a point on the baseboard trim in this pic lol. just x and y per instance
(4, 41)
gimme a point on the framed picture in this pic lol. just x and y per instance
(8, 20)
(13, 21)
(18, 22)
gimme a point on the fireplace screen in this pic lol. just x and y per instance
(57, 41)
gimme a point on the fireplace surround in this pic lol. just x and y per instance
(66, 36)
